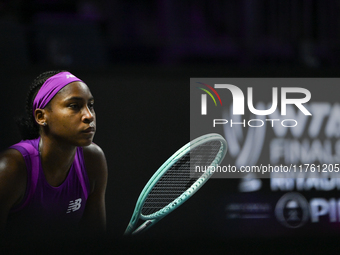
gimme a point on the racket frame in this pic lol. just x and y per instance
(155, 217)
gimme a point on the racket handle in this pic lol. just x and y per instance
(128, 230)
(144, 226)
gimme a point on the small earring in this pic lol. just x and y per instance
(45, 124)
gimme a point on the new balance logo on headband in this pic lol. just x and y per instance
(69, 76)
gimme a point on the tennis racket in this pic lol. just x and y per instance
(177, 180)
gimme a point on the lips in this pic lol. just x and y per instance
(89, 130)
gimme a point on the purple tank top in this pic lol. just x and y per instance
(45, 207)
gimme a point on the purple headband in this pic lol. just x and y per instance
(51, 87)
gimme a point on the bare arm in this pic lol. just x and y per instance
(94, 218)
(13, 177)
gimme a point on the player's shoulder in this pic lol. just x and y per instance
(93, 152)
(11, 159)
(12, 167)
(95, 164)
(94, 158)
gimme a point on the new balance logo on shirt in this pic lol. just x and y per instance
(74, 205)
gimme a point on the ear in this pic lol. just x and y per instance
(40, 117)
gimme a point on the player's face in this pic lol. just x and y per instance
(71, 117)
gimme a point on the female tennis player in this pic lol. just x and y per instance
(54, 180)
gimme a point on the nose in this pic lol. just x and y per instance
(88, 115)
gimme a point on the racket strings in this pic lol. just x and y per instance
(180, 176)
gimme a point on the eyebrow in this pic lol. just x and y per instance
(78, 99)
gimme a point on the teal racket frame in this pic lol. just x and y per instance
(155, 217)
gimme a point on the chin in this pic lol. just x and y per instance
(84, 142)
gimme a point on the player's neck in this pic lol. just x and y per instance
(56, 158)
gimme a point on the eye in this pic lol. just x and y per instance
(73, 106)
(91, 105)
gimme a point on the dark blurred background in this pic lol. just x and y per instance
(241, 33)
(137, 58)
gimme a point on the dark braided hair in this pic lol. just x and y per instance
(28, 127)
